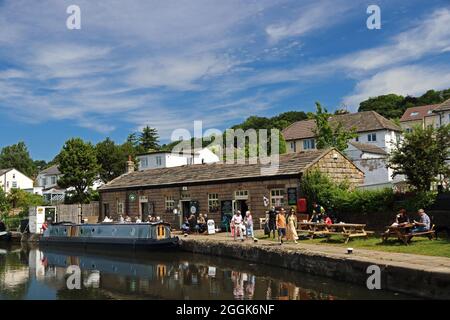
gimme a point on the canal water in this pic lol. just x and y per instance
(56, 273)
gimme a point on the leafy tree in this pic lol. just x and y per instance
(329, 135)
(40, 165)
(18, 198)
(421, 156)
(4, 204)
(149, 139)
(79, 168)
(386, 105)
(111, 159)
(17, 156)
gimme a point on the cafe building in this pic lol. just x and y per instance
(217, 189)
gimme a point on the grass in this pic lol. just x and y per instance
(418, 245)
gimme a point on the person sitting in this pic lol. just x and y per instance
(327, 220)
(192, 222)
(201, 224)
(401, 218)
(424, 224)
(121, 219)
(185, 226)
(138, 220)
(127, 219)
(107, 219)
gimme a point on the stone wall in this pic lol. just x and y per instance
(339, 169)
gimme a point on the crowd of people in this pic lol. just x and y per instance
(128, 219)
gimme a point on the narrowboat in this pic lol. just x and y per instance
(138, 235)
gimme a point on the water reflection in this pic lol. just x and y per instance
(36, 273)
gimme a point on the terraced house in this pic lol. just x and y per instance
(216, 189)
(376, 137)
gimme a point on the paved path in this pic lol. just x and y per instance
(413, 261)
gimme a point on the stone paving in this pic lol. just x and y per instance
(410, 261)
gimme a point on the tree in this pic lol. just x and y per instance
(421, 156)
(111, 159)
(329, 135)
(4, 204)
(79, 168)
(149, 138)
(18, 198)
(389, 106)
(17, 156)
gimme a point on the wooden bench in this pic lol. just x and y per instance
(348, 231)
(404, 233)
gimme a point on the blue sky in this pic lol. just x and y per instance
(168, 63)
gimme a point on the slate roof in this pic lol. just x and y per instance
(368, 148)
(418, 113)
(3, 171)
(445, 106)
(361, 121)
(53, 170)
(290, 164)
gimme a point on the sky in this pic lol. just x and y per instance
(169, 63)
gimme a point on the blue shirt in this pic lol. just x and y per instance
(426, 220)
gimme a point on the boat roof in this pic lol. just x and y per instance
(68, 223)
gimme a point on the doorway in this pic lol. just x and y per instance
(145, 212)
(185, 208)
(240, 205)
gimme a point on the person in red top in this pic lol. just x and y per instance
(328, 221)
(44, 226)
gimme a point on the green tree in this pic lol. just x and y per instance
(421, 156)
(4, 203)
(329, 135)
(389, 105)
(79, 168)
(149, 139)
(17, 156)
(18, 198)
(111, 159)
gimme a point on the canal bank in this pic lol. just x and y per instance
(421, 276)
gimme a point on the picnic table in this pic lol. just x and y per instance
(403, 232)
(346, 230)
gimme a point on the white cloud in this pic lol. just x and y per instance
(406, 80)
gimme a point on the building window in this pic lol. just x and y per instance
(44, 182)
(408, 130)
(14, 175)
(120, 209)
(190, 161)
(170, 203)
(372, 137)
(213, 202)
(144, 162)
(309, 144)
(241, 195)
(53, 180)
(293, 146)
(277, 197)
(158, 160)
(14, 184)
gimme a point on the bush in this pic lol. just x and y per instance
(339, 198)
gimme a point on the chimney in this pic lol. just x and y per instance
(130, 165)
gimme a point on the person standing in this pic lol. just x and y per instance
(237, 223)
(281, 225)
(249, 224)
(272, 221)
(292, 226)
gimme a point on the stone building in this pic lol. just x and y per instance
(217, 189)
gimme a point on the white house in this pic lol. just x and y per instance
(167, 159)
(443, 113)
(48, 180)
(14, 179)
(376, 137)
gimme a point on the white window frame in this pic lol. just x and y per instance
(120, 208)
(53, 180)
(169, 203)
(241, 195)
(213, 202)
(144, 162)
(158, 160)
(309, 144)
(277, 197)
(294, 146)
(14, 185)
(372, 137)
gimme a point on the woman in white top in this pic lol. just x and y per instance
(237, 224)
